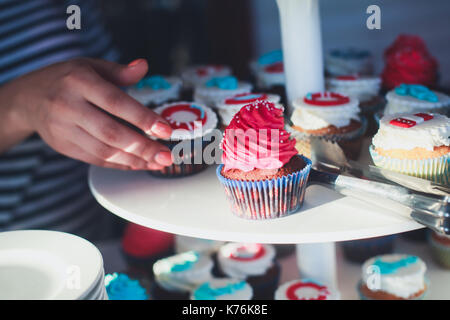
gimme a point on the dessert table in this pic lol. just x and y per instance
(196, 206)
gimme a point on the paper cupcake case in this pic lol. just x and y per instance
(421, 297)
(441, 253)
(436, 169)
(350, 142)
(187, 167)
(266, 199)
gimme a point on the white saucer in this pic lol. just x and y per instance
(47, 265)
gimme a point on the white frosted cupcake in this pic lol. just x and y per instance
(393, 277)
(251, 262)
(328, 115)
(305, 290)
(416, 98)
(223, 289)
(183, 244)
(178, 275)
(198, 75)
(217, 89)
(343, 62)
(271, 76)
(228, 107)
(269, 58)
(415, 144)
(155, 90)
(364, 88)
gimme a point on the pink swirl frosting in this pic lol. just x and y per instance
(256, 139)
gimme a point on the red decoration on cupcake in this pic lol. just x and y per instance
(405, 122)
(207, 70)
(349, 78)
(248, 252)
(277, 67)
(246, 98)
(409, 61)
(322, 291)
(326, 99)
(184, 116)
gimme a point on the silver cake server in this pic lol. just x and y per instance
(432, 211)
(328, 154)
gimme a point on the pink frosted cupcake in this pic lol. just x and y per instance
(262, 173)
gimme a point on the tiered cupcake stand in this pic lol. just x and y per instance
(196, 206)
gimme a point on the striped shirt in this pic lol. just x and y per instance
(39, 188)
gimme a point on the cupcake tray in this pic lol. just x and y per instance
(196, 206)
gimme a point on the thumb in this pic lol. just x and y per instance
(121, 75)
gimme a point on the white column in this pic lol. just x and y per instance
(302, 47)
(317, 261)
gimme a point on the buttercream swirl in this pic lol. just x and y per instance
(427, 134)
(120, 287)
(256, 139)
(313, 117)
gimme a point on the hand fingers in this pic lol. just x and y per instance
(76, 152)
(107, 153)
(113, 100)
(119, 74)
(112, 133)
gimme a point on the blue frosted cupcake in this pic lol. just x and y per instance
(223, 289)
(178, 275)
(215, 90)
(254, 263)
(155, 90)
(119, 286)
(393, 277)
(348, 61)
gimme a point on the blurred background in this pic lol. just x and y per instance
(175, 33)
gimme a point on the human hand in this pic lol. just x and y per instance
(65, 104)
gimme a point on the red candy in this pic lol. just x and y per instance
(260, 252)
(407, 123)
(326, 99)
(187, 125)
(276, 67)
(322, 290)
(347, 77)
(246, 98)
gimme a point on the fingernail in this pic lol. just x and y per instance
(154, 166)
(164, 158)
(135, 62)
(161, 130)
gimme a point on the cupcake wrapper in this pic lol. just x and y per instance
(436, 169)
(187, 167)
(440, 252)
(266, 199)
(350, 142)
(421, 297)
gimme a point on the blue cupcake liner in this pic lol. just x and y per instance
(435, 169)
(421, 297)
(266, 199)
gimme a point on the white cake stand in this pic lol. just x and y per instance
(196, 206)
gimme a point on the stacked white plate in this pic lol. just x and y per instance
(49, 265)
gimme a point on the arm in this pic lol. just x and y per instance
(63, 103)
